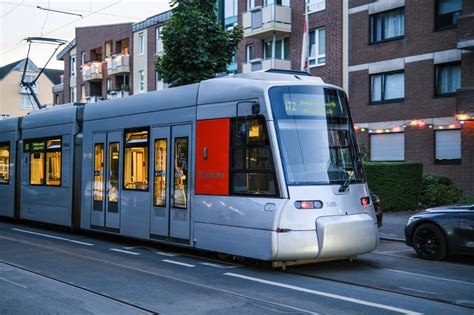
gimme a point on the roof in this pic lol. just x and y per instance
(152, 20)
(54, 75)
(18, 66)
(65, 50)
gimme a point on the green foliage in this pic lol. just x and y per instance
(439, 191)
(469, 200)
(398, 185)
(196, 47)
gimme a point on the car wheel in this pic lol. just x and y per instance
(429, 242)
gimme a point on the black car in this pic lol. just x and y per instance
(438, 232)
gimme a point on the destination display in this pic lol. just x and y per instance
(312, 105)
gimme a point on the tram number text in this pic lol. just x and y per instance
(330, 204)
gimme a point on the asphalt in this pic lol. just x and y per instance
(393, 228)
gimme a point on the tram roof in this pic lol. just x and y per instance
(51, 116)
(9, 124)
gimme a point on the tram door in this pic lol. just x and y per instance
(106, 195)
(171, 207)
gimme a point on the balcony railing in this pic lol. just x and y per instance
(263, 22)
(265, 64)
(118, 64)
(116, 94)
(466, 32)
(58, 88)
(465, 104)
(92, 71)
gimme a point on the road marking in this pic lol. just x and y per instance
(124, 251)
(393, 251)
(330, 295)
(217, 265)
(159, 252)
(178, 263)
(428, 276)
(14, 283)
(164, 253)
(54, 237)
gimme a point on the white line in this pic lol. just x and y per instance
(54, 237)
(152, 250)
(178, 263)
(124, 251)
(419, 291)
(164, 254)
(217, 265)
(330, 295)
(430, 277)
(14, 283)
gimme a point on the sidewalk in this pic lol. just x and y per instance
(394, 225)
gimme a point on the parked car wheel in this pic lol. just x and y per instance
(429, 242)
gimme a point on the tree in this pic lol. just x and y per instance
(196, 47)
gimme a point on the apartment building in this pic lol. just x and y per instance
(411, 73)
(147, 46)
(97, 64)
(274, 31)
(16, 100)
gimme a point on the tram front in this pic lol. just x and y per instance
(329, 214)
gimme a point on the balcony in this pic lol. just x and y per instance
(465, 104)
(58, 88)
(92, 71)
(118, 64)
(466, 32)
(116, 94)
(263, 22)
(265, 64)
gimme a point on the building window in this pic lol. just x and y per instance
(160, 85)
(250, 52)
(83, 93)
(141, 43)
(45, 161)
(72, 95)
(141, 74)
(447, 145)
(158, 38)
(252, 168)
(388, 25)
(4, 163)
(83, 58)
(136, 160)
(387, 87)
(73, 66)
(25, 102)
(109, 84)
(230, 8)
(447, 13)
(282, 49)
(387, 147)
(448, 79)
(160, 174)
(317, 47)
(285, 3)
(250, 4)
(316, 5)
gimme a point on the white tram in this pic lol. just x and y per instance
(263, 165)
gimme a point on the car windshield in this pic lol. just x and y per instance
(316, 137)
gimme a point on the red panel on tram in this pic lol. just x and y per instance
(212, 156)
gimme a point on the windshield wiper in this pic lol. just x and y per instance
(346, 183)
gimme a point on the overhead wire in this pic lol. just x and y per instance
(45, 20)
(13, 9)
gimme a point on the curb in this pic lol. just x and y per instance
(392, 239)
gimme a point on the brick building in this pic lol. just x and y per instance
(411, 73)
(97, 63)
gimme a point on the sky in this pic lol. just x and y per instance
(21, 18)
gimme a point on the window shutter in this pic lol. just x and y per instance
(448, 145)
(387, 147)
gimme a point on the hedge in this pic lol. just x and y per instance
(398, 184)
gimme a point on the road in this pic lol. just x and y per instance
(45, 270)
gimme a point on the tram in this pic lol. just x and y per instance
(261, 165)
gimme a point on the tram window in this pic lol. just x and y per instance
(136, 160)
(45, 161)
(252, 168)
(4, 163)
(113, 180)
(99, 172)
(180, 173)
(159, 192)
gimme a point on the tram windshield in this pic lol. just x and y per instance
(316, 138)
